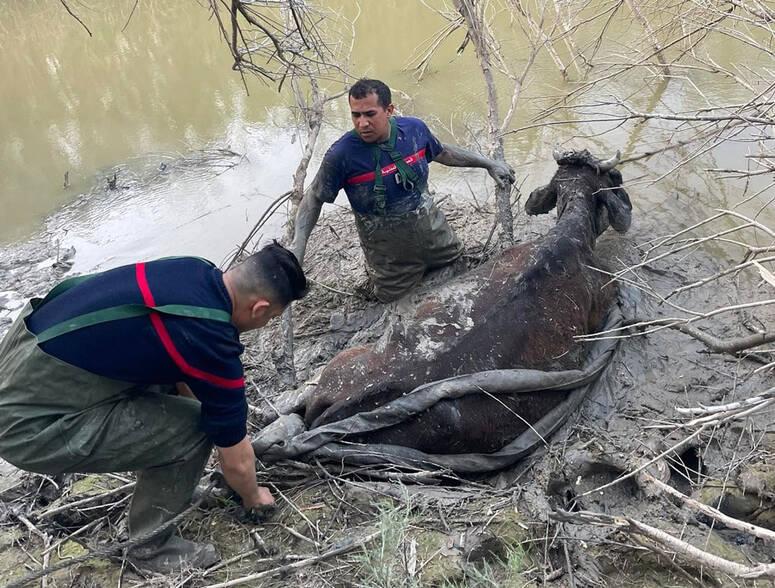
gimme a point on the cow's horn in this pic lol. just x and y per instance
(557, 153)
(609, 164)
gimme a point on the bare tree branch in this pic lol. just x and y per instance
(75, 16)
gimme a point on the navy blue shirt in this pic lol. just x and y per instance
(131, 349)
(349, 164)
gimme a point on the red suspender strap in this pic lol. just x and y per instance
(387, 170)
(166, 340)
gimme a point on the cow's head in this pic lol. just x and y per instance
(581, 175)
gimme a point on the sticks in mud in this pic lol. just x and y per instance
(648, 480)
(52, 511)
(284, 569)
(112, 549)
(676, 546)
(743, 231)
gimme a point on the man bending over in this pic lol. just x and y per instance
(88, 380)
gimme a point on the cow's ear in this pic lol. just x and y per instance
(617, 203)
(541, 200)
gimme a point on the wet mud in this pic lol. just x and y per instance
(727, 467)
(629, 420)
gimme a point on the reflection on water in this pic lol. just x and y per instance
(129, 100)
(79, 104)
(201, 205)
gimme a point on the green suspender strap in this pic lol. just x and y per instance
(115, 313)
(125, 311)
(405, 175)
(61, 288)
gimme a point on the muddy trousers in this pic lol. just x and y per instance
(56, 418)
(400, 249)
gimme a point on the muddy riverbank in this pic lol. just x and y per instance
(448, 531)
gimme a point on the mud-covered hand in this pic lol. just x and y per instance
(260, 508)
(502, 173)
(255, 515)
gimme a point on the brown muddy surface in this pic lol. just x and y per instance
(456, 528)
(619, 424)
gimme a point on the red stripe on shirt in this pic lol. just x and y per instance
(169, 346)
(387, 170)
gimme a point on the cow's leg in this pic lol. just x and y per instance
(475, 423)
(364, 400)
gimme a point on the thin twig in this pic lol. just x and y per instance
(75, 16)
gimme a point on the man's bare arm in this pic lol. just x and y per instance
(455, 156)
(238, 463)
(306, 218)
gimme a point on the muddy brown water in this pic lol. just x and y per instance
(143, 102)
(134, 96)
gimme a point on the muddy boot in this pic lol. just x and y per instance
(365, 290)
(161, 493)
(173, 555)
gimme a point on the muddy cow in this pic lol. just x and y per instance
(521, 309)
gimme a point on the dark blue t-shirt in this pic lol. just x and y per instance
(349, 164)
(131, 350)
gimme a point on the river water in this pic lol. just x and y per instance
(143, 96)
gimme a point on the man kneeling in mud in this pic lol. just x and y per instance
(89, 374)
(382, 165)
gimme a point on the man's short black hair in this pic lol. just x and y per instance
(274, 272)
(365, 86)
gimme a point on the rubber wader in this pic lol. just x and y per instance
(399, 249)
(57, 418)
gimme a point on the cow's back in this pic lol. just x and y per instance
(520, 310)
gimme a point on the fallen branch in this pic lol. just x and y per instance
(733, 411)
(649, 463)
(680, 547)
(716, 344)
(52, 511)
(299, 564)
(730, 522)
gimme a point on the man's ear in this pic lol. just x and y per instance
(390, 109)
(259, 308)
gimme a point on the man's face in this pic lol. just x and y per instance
(371, 121)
